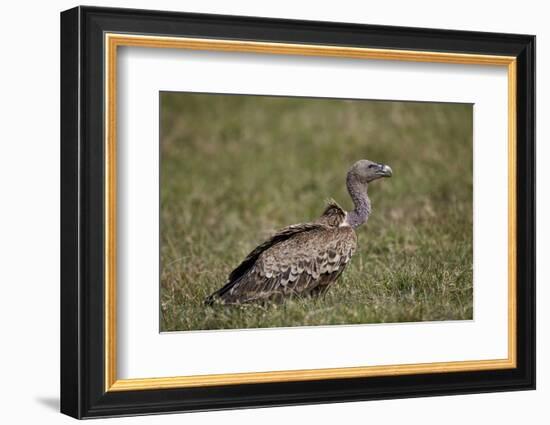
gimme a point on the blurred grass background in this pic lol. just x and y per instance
(235, 168)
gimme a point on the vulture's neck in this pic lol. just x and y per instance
(358, 193)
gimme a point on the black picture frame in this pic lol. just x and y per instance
(83, 392)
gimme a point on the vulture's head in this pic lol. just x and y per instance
(365, 171)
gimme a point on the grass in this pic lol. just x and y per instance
(234, 169)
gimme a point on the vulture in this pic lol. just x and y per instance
(304, 259)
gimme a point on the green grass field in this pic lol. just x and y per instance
(234, 169)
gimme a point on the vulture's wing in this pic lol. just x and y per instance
(298, 260)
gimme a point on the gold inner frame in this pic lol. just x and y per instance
(113, 41)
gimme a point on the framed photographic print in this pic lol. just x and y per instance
(261, 212)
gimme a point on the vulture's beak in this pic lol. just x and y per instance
(384, 171)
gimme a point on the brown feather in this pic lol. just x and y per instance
(303, 259)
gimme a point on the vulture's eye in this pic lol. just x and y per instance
(373, 166)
